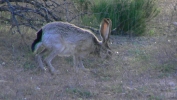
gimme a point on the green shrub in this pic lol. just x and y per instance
(128, 16)
(82, 5)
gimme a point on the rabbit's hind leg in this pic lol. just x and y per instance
(49, 58)
(39, 59)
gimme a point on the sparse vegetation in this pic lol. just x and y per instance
(28, 66)
(79, 92)
(141, 68)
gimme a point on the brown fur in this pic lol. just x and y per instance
(65, 39)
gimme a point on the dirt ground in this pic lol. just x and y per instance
(141, 68)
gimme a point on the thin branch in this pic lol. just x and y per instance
(34, 13)
(11, 9)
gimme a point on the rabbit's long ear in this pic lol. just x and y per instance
(105, 29)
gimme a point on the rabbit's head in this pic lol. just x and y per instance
(103, 48)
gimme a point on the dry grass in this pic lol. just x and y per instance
(142, 68)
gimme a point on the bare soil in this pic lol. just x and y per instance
(141, 68)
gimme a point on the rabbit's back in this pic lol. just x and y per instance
(67, 38)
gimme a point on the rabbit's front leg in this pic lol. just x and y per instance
(80, 63)
(76, 62)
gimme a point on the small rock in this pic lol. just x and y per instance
(37, 88)
(3, 63)
(172, 84)
(175, 23)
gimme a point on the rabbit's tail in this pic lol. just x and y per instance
(36, 43)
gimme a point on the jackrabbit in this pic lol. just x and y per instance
(65, 39)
